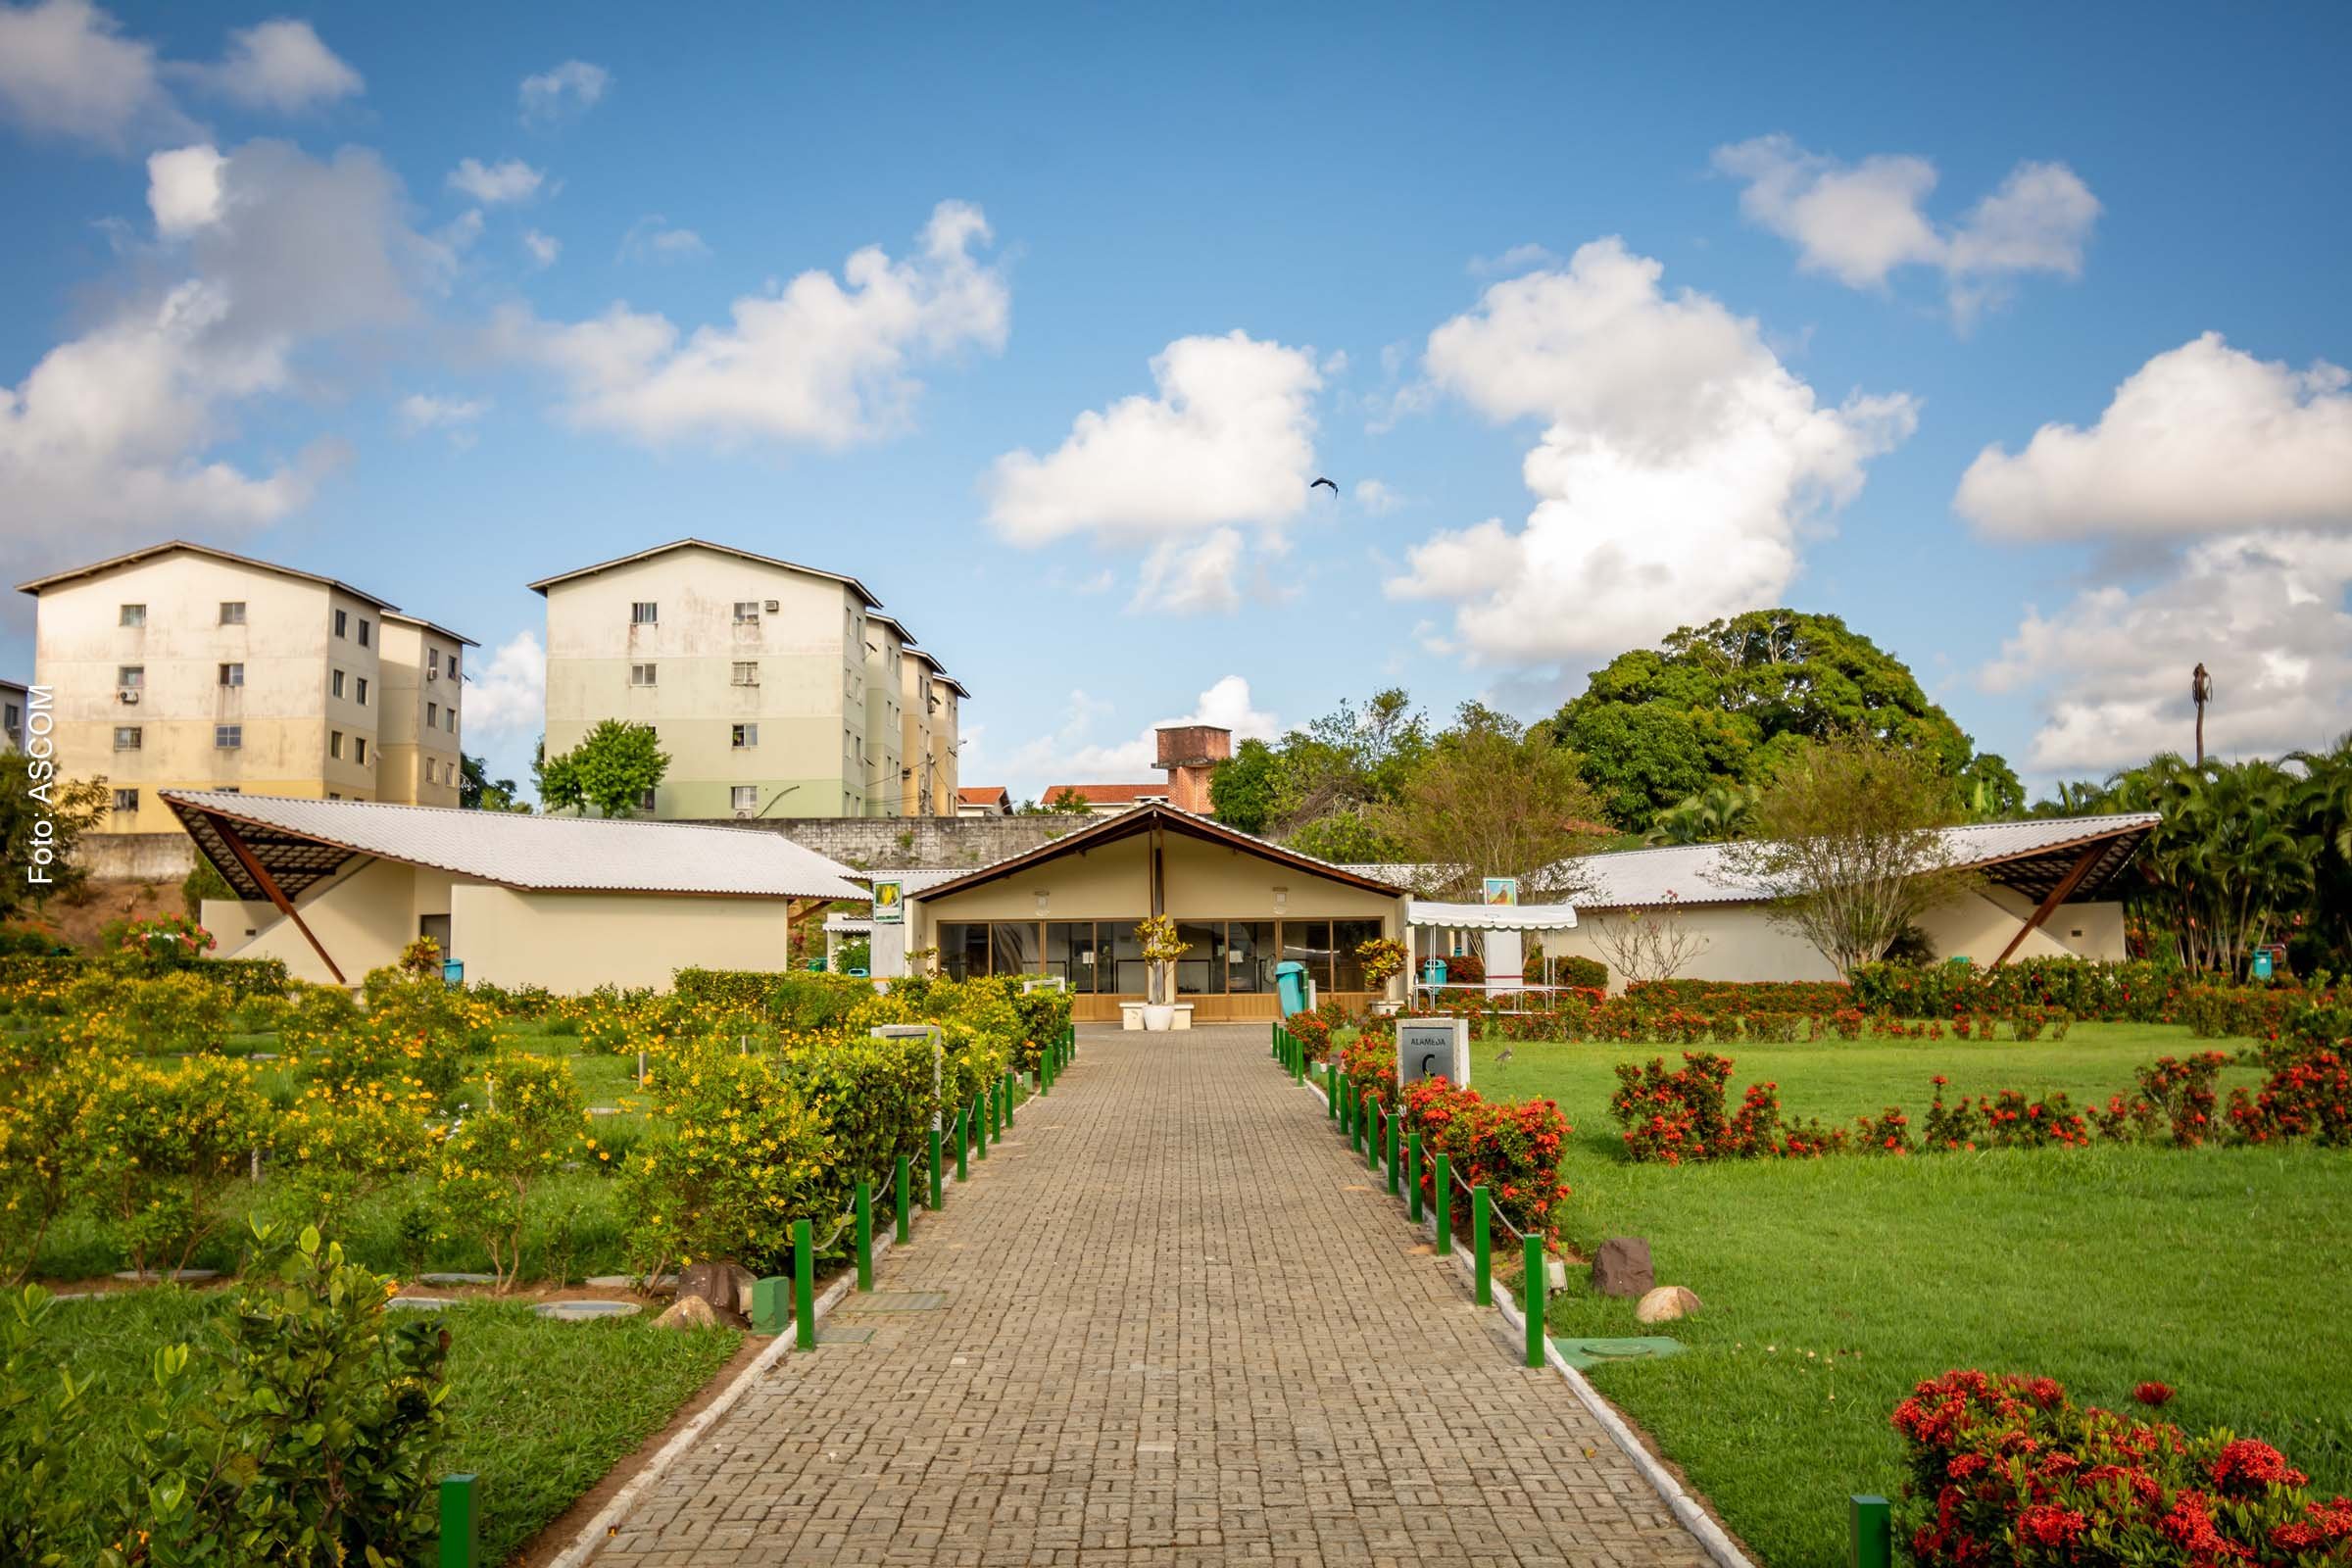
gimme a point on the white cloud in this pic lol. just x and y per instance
(816, 362)
(1859, 222)
(279, 66)
(183, 189)
(652, 239)
(1680, 464)
(2265, 612)
(570, 88)
(422, 410)
(1072, 755)
(542, 248)
(508, 696)
(1226, 443)
(65, 70)
(2202, 439)
(119, 429)
(1518, 258)
(1377, 498)
(512, 180)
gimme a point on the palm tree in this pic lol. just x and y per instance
(1716, 815)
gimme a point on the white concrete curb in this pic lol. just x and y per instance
(1681, 1503)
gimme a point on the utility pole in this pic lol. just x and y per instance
(2200, 692)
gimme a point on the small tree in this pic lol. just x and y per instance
(611, 769)
(1847, 844)
(1161, 946)
(1651, 944)
(41, 817)
(1493, 800)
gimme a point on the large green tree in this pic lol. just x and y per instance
(612, 769)
(1343, 765)
(478, 790)
(42, 816)
(1732, 700)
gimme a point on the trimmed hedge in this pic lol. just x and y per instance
(2137, 992)
(794, 998)
(243, 978)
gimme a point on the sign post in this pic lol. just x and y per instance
(1433, 1047)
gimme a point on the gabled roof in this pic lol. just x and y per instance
(2032, 856)
(863, 593)
(434, 628)
(905, 637)
(1107, 794)
(983, 795)
(60, 578)
(946, 679)
(303, 842)
(1144, 818)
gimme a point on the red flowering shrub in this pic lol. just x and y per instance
(2007, 1469)
(1312, 1031)
(2153, 1395)
(1369, 1062)
(1511, 1146)
(2305, 1097)
(2184, 1092)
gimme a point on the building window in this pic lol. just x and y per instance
(745, 797)
(433, 715)
(127, 737)
(126, 800)
(449, 719)
(359, 750)
(233, 674)
(644, 801)
(228, 737)
(334, 744)
(334, 683)
(746, 612)
(432, 774)
(644, 613)
(746, 736)
(432, 659)
(232, 612)
(131, 677)
(363, 632)
(362, 698)
(747, 672)
(342, 623)
(453, 663)
(134, 615)
(15, 721)
(641, 674)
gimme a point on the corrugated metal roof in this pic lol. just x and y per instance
(1698, 874)
(542, 853)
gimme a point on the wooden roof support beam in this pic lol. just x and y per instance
(2057, 896)
(269, 885)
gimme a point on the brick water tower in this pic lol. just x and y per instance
(1190, 754)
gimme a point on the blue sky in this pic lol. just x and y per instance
(1602, 323)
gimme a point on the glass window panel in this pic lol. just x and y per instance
(1013, 947)
(963, 948)
(1249, 955)
(1070, 955)
(1202, 969)
(1126, 950)
(1308, 942)
(1347, 968)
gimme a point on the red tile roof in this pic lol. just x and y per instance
(984, 795)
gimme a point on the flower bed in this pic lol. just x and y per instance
(2008, 1469)
(2137, 992)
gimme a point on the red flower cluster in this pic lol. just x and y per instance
(2009, 1469)
(2153, 1395)
(1511, 1146)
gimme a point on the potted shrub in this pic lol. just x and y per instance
(1163, 947)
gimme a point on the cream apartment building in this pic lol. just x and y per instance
(773, 688)
(182, 666)
(929, 737)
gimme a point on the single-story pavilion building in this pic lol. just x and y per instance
(337, 888)
(2045, 889)
(1067, 911)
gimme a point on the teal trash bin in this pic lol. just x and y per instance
(453, 971)
(1290, 984)
(1433, 973)
(2262, 963)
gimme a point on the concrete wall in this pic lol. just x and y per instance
(283, 707)
(136, 857)
(941, 842)
(575, 942)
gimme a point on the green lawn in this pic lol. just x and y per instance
(539, 1410)
(1831, 1286)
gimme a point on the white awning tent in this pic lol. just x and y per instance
(1502, 924)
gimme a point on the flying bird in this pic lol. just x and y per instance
(1326, 483)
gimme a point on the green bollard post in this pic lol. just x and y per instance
(1045, 1072)
(1412, 1179)
(1482, 1248)
(963, 1138)
(1373, 1134)
(1396, 1150)
(1531, 1295)
(1011, 1094)
(1442, 1180)
(980, 1124)
(866, 1234)
(1331, 1090)
(939, 1169)
(991, 1132)
(804, 1286)
(901, 1187)
(460, 1521)
(1871, 1541)
(1347, 1126)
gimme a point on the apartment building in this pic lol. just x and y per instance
(774, 689)
(182, 666)
(14, 705)
(930, 740)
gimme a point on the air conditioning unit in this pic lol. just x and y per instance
(774, 604)
(742, 814)
(432, 675)
(129, 696)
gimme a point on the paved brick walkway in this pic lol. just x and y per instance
(1179, 1327)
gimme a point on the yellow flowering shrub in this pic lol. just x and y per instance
(336, 1145)
(40, 1121)
(170, 1015)
(164, 1145)
(492, 1157)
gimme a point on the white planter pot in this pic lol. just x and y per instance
(1160, 1017)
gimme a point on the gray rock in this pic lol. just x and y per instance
(688, 1312)
(457, 1279)
(1666, 1303)
(725, 1286)
(1622, 1267)
(185, 1276)
(585, 1311)
(419, 1304)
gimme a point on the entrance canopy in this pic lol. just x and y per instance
(1428, 915)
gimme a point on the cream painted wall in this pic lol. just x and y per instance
(885, 731)
(363, 918)
(915, 737)
(1743, 943)
(283, 708)
(809, 703)
(420, 723)
(574, 942)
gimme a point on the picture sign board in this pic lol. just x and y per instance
(890, 901)
(1433, 1047)
(1502, 891)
